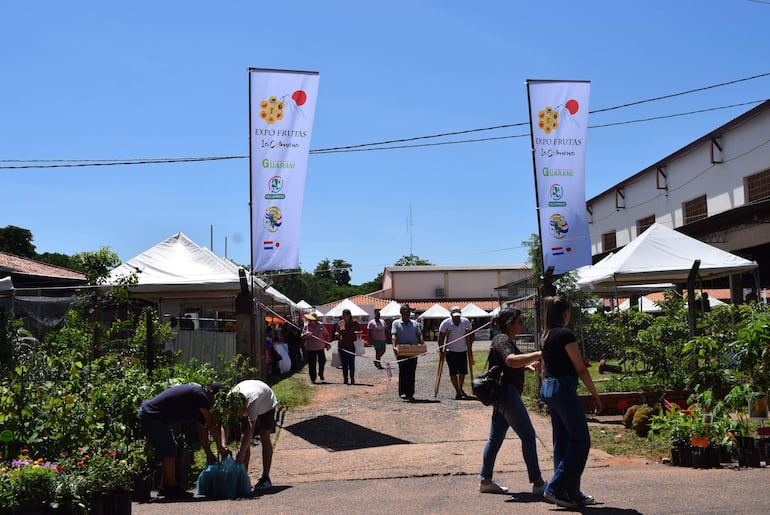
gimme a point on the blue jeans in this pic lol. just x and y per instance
(511, 412)
(571, 439)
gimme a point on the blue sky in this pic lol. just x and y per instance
(87, 80)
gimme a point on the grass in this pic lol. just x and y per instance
(616, 440)
(292, 390)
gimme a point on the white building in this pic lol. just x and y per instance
(716, 189)
(441, 283)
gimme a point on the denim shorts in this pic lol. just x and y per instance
(160, 435)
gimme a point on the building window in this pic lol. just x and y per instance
(758, 186)
(644, 223)
(609, 241)
(695, 209)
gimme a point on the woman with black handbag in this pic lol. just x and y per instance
(509, 410)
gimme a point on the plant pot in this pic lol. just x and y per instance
(700, 458)
(111, 503)
(748, 458)
(676, 456)
(142, 489)
(725, 455)
(684, 456)
(713, 457)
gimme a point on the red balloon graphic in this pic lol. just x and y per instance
(299, 96)
(572, 106)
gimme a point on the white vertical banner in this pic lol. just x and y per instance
(281, 106)
(558, 123)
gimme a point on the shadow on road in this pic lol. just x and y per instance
(336, 434)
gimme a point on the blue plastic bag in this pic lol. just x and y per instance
(207, 479)
(226, 479)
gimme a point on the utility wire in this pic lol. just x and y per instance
(61, 163)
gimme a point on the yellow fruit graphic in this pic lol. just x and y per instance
(548, 120)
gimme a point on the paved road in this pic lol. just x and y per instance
(360, 449)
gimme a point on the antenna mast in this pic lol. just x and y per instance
(409, 230)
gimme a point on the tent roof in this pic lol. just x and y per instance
(179, 269)
(435, 311)
(179, 261)
(303, 305)
(6, 284)
(473, 311)
(392, 309)
(661, 255)
(646, 305)
(355, 310)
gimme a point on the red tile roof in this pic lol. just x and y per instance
(417, 305)
(19, 265)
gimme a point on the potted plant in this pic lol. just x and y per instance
(738, 400)
(678, 426)
(108, 479)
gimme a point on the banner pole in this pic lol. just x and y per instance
(534, 176)
(257, 357)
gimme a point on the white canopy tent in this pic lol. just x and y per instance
(644, 304)
(304, 306)
(392, 309)
(355, 310)
(648, 306)
(178, 272)
(660, 255)
(473, 311)
(435, 311)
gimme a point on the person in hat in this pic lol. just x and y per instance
(405, 331)
(458, 351)
(178, 404)
(316, 339)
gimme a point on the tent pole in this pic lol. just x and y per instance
(691, 297)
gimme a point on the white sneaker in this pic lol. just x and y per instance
(492, 488)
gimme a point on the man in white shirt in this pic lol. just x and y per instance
(458, 351)
(258, 413)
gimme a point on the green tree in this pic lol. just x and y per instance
(323, 269)
(55, 258)
(412, 260)
(17, 241)
(535, 255)
(341, 272)
(96, 265)
(373, 285)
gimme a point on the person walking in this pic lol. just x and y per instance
(563, 364)
(458, 352)
(257, 413)
(316, 339)
(405, 331)
(345, 332)
(376, 333)
(509, 410)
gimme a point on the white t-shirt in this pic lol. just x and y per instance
(259, 397)
(455, 332)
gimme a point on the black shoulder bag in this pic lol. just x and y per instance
(487, 386)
